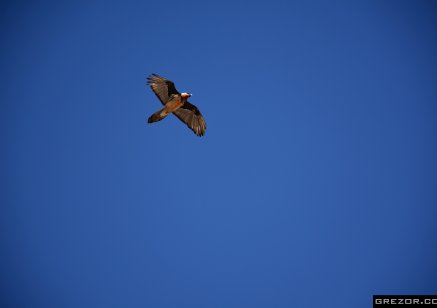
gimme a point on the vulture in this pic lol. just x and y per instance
(176, 103)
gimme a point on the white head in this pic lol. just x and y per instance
(184, 94)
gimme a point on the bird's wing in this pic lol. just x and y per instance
(190, 115)
(163, 88)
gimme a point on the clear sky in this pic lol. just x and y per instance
(314, 186)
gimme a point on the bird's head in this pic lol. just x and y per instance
(187, 95)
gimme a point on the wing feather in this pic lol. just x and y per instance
(163, 88)
(191, 116)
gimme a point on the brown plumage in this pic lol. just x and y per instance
(176, 103)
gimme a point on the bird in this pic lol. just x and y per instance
(176, 103)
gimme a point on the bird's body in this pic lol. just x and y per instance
(176, 103)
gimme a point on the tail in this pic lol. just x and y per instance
(157, 116)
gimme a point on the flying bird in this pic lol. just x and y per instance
(176, 103)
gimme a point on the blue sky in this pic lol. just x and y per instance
(314, 186)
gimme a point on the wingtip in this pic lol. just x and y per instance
(200, 133)
(152, 78)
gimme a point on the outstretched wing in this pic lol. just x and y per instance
(163, 88)
(190, 115)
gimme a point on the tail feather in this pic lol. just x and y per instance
(157, 116)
